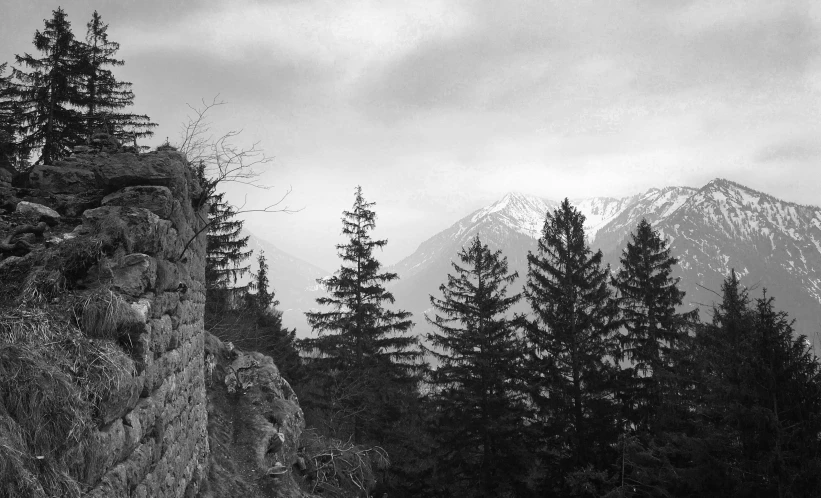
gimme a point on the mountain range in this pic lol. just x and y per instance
(723, 225)
(771, 243)
(292, 279)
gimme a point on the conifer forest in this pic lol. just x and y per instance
(540, 372)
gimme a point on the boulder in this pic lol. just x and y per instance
(62, 179)
(141, 230)
(38, 211)
(157, 199)
(134, 275)
(258, 455)
(167, 169)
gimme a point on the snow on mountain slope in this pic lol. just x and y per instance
(723, 225)
(773, 242)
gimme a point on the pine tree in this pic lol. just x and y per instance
(102, 95)
(9, 118)
(268, 335)
(648, 297)
(364, 360)
(572, 343)
(263, 299)
(225, 254)
(48, 94)
(761, 399)
(479, 404)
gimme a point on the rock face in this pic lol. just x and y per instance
(123, 228)
(254, 425)
(151, 437)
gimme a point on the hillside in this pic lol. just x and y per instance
(772, 244)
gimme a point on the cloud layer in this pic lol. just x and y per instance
(437, 107)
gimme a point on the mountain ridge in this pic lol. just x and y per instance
(723, 224)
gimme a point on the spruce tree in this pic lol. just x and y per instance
(47, 96)
(477, 398)
(572, 348)
(268, 335)
(9, 118)
(263, 299)
(102, 96)
(761, 399)
(363, 360)
(653, 329)
(226, 253)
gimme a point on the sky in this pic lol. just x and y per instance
(439, 107)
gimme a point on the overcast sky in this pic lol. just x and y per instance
(439, 107)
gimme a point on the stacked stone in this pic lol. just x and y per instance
(153, 439)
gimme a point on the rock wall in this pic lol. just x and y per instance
(152, 435)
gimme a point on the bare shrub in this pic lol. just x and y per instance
(338, 468)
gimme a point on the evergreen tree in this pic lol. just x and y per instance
(761, 400)
(9, 118)
(102, 95)
(573, 346)
(363, 363)
(225, 254)
(648, 297)
(263, 299)
(47, 96)
(479, 404)
(268, 335)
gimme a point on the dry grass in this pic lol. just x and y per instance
(105, 315)
(41, 285)
(52, 381)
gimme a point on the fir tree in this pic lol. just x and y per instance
(268, 335)
(263, 299)
(47, 95)
(225, 254)
(572, 343)
(9, 118)
(363, 361)
(761, 399)
(648, 297)
(102, 95)
(479, 404)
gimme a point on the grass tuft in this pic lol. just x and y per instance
(41, 285)
(53, 381)
(105, 315)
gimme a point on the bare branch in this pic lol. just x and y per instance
(218, 159)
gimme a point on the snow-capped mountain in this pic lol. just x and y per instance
(771, 243)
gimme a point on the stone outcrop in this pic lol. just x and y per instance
(139, 214)
(120, 235)
(254, 426)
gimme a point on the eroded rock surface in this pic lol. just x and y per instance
(254, 426)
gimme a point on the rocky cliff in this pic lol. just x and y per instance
(103, 361)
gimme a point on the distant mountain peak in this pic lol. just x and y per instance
(720, 226)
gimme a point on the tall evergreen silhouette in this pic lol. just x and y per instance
(761, 398)
(653, 329)
(572, 348)
(102, 96)
(9, 118)
(363, 360)
(226, 256)
(478, 399)
(49, 93)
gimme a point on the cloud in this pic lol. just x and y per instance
(792, 150)
(347, 35)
